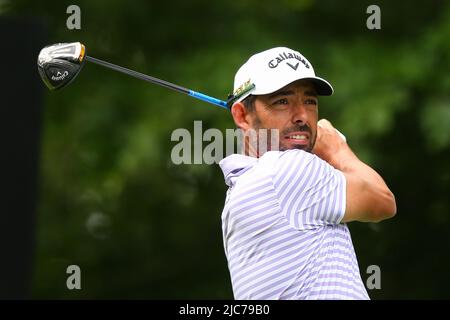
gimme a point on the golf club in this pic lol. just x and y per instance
(60, 63)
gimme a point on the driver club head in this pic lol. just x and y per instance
(60, 63)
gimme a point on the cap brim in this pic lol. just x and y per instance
(323, 87)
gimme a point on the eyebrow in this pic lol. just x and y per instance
(290, 93)
(311, 93)
(281, 93)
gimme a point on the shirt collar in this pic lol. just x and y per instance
(234, 166)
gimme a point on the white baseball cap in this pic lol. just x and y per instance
(273, 69)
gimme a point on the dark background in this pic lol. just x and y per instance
(89, 180)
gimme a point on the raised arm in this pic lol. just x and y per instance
(368, 197)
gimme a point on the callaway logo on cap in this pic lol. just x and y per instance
(273, 69)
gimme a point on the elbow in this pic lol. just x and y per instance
(388, 207)
(391, 206)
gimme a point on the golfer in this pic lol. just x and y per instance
(286, 211)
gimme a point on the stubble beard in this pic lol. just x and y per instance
(257, 125)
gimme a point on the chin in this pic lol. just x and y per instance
(303, 147)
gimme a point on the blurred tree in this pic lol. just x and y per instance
(140, 227)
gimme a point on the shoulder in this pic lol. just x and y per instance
(295, 157)
(291, 164)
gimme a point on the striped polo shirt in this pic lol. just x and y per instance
(281, 228)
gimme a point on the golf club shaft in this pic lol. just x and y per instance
(160, 82)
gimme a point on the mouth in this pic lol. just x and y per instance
(299, 138)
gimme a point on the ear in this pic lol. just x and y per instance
(241, 116)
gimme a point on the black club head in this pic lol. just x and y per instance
(59, 64)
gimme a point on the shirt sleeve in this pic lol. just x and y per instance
(310, 191)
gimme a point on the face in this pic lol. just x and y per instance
(293, 110)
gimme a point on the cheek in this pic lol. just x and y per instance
(280, 118)
(314, 112)
(269, 120)
(314, 132)
(313, 118)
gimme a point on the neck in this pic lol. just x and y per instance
(250, 151)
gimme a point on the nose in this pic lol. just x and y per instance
(299, 114)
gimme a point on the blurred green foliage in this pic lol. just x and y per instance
(112, 202)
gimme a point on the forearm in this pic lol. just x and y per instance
(347, 162)
(367, 190)
(368, 198)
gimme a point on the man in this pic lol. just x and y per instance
(284, 220)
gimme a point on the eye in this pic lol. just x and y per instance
(311, 101)
(282, 101)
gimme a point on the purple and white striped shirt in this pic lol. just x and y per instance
(281, 228)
